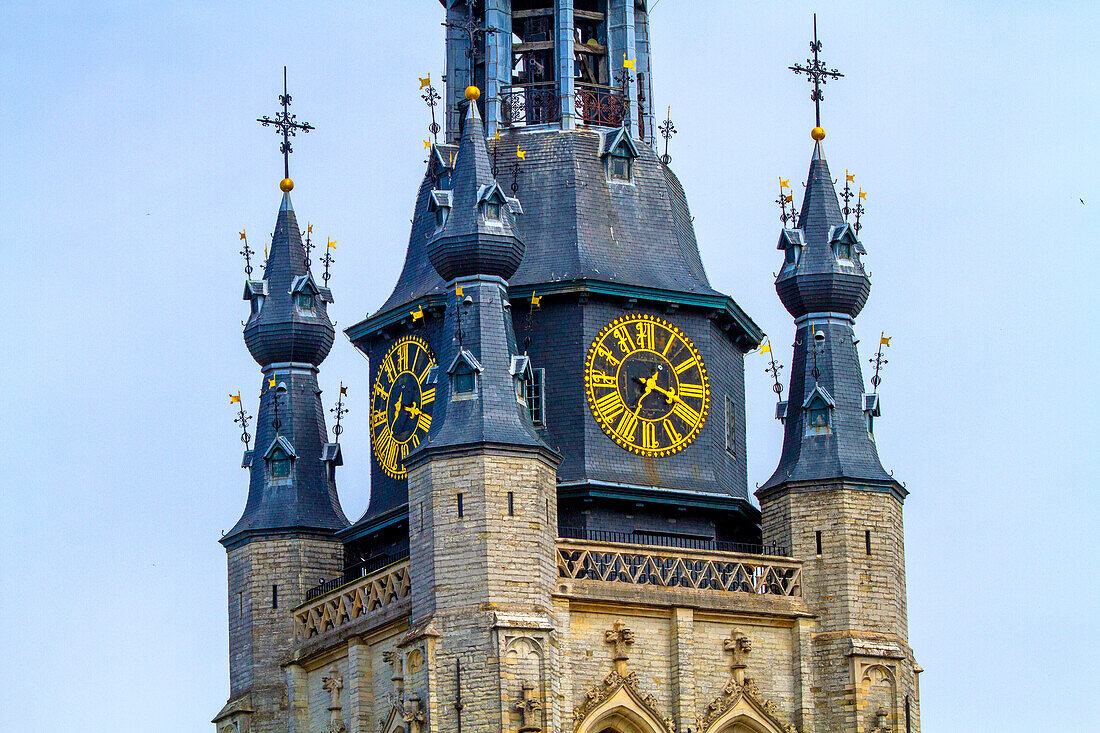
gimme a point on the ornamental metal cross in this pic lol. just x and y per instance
(475, 32)
(286, 125)
(817, 73)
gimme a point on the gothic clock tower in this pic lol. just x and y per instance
(637, 373)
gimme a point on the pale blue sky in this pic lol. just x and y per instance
(130, 160)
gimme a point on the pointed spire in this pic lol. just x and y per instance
(479, 236)
(820, 205)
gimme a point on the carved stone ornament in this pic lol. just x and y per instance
(742, 701)
(619, 685)
(528, 707)
(333, 684)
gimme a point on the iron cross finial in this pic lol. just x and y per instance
(816, 73)
(286, 125)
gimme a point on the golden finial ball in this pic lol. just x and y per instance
(286, 185)
(472, 92)
(818, 133)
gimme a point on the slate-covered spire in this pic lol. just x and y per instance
(480, 396)
(827, 428)
(292, 487)
(478, 236)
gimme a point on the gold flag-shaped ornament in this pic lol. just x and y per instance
(789, 198)
(417, 314)
(784, 182)
(458, 291)
(849, 176)
(243, 235)
(536, 300)
(521, 154)
(425, 82)
(885, 340)
(271, 383)
(343, 390)
(629, 64)
(863, 194)
(234, 398)
(331, 243)
(427, 143)
(765, 347)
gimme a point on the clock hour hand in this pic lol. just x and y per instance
(414, 410)
(650, 385)
(397, 408)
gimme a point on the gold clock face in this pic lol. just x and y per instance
(400, 404)
(646, 385)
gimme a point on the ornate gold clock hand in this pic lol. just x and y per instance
(650, 385)
(414, 410)
(397, 409)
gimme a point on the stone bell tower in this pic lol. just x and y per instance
(482, 492)
(285, 540)
(830, 500)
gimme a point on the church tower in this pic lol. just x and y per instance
(482, 494)
(285, 540)
(829, 499)
(637, 362)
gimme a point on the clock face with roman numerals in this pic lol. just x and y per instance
(400, 404)
(646, 385)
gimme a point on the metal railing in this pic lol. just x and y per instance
(599, 105)
(659, 540)
(354, 572)
(530, 105)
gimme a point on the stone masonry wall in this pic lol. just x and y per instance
(860, 636)
(260, 635)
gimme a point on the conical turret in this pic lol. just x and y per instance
(827, 430)
(292, 487)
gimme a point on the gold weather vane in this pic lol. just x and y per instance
(242, 417)
(286, 125)
(817, 74)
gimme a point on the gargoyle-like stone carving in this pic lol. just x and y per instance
(392, 657)
(333, 684)
(528, 707)
(413, 714)
(739, 646)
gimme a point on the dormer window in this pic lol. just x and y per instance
(440, 218)
(280, 465)
(257, 304)
(620, 168)
(843, 251)
(818, 406)
(846, 245)
(304, 301)
(492, 211)
(790, 256)
(463, 373)
(464, 380)
(791, 242)
(279, 457)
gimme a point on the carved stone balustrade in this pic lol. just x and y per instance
(663, 567)
(352, 601)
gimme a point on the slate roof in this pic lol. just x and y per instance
(582, 228)
(279, 333)
(493, 415)
(306, 500)
(469, 244)
(818, 284)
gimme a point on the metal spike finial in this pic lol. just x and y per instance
(773, 369)
(431, 98)
(308, 244)
(242, 418)
(859, 210)
(816, 73)
(847, 195)
(328, 259)
(339, 411)
(247, 253)
(784, 199)
(285, 124)
(667, 130)
(878, 361)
